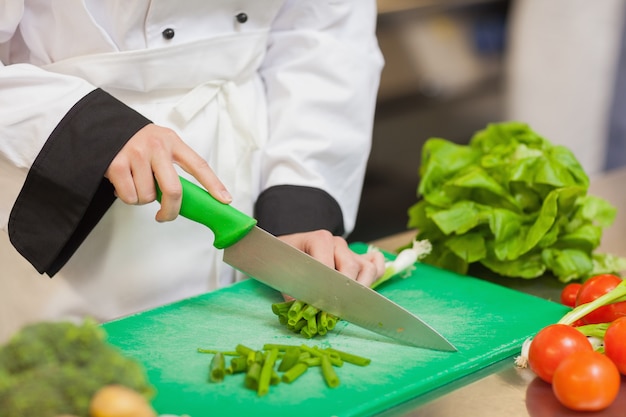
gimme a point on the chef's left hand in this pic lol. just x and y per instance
(334, 252)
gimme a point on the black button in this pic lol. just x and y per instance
(168, 33)
(242, 17)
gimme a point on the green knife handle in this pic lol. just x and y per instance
(227, 223)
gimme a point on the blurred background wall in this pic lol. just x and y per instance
(452, 66)
(443, 77)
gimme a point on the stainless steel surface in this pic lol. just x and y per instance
(291, 271)
(503, 390)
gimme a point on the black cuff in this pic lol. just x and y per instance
(285, 209)
(65, 193)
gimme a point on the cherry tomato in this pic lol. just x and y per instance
(551, 345)
(615, 343)
(569, 293)
(596, 287)
(586, 381)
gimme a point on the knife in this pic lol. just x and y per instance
(262, 256)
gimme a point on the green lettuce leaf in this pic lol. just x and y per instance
(513, 202)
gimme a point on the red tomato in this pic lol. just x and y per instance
(615, 343)
(551, 345)
(586, 381)
(569, 293)
(596, 287)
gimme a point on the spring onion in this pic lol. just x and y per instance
(243, 350)
(264, 369)
(312, 361)
(350, 358)
(292, 355)
(330, 376)
(239, 364)
(213, 351)
(217, 368)
(266, 372)
(404, 263)
(296, 371)
(617, 294)
(252, 376)
(309, 321)
(594, 332)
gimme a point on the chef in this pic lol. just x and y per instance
(266, 104)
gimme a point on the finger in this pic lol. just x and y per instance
(368, 273)
(171, 191)
(320, 244)
(120, 175)
(378, 259)
(195, 165)
(143, 178)
(346, 261)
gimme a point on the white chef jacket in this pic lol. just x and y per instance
(278, 96)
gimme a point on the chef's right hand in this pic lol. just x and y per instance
(151, 153)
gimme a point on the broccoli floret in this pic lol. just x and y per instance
(48, 369)
(36, 392)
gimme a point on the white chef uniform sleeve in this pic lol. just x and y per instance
(64, 133)
(321, 75)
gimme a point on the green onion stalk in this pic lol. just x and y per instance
(616, 295)
(594, 332)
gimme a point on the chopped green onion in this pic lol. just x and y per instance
(243, 350)
(293, 320)
(275, 379)
(330, 376)
(316, 361)
(296, 309)
(213, 351)
(251, 380)
(277, 346)
(320, 353)
(306, 332)
(309, 312)
(295, 371)
(266, 373)
(251, 358)
(280, 308)
(292, 354)
(323, 319)
(312, 325)
(260, 366)
(331, 321)
(351, 358)
(217, 368)
(239, 364)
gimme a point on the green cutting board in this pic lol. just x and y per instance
(485, 321)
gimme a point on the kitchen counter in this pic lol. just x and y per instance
(501, 389)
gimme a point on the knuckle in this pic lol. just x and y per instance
(173, 193)
(146, 198)
(324, 235)
(351, 265)
(116, 168)
(127, 198)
